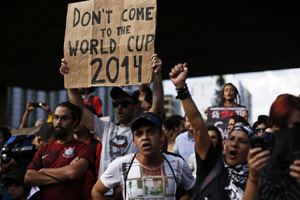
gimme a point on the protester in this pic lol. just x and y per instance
(217, 178)
(59, 168)
(30, 107)
(117, 140)
(82, 134)
(178, 123)
(168, 131)
(14, 182)
(216, 140)
(185, 143)
(260, 125)
(92, 102)
(144, 96)
(275, 174)
(163, 172)
(29, 144)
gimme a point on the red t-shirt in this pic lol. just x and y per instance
(90, 178)
(97, 103)
(56, 155)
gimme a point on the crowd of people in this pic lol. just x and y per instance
(146, 155)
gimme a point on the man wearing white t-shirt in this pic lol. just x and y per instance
(149, 173)
(117, 140)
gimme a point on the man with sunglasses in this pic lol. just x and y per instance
(150, 173)
(59, 168)
(117, 139)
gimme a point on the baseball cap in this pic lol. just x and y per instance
(116, 91)
(16, 175)
(147, 118)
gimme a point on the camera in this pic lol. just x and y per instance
(9, 152)
(37, 104)
(257, 141)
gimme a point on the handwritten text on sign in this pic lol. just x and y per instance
(109, 43)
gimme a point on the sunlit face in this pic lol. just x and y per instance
(125, 115)
(213, 137)
(237, 148)
(230, 125)
(229, 92)
(147, 139)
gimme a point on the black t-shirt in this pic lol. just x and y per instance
(215, 189)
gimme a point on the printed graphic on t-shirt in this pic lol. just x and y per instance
(117, 145)
(144, 183)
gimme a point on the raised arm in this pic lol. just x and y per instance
(178, 76)
(76, 99)
(158, 92)
(25, 117)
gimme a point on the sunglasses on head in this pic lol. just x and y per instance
(124, 104)
(260, 129)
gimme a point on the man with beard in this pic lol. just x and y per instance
(52, 169)
(117, 139)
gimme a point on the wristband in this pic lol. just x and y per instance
(182, 93)
(253, 181)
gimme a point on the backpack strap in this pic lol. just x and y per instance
(126, 175)
(218, 168)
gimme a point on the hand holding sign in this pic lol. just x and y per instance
(109, 43)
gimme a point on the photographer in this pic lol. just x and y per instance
(30, 107)
(20, 149)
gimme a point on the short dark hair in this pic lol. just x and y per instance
(176, 120)
(76, 112)
(5, 132)
(46, 131)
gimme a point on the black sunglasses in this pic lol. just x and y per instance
(124, 104)
(260, 129)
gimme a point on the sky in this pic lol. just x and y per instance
(264, 87)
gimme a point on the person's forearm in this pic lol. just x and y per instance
(87, 117)
(34, 177)
(252, 190)
(25, 117)
(201, 136)
(68, 172)
(158, 95)
(75, 97)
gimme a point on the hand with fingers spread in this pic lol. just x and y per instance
(178, 75)
(295, 170)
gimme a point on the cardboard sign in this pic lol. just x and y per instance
(219, 117)
(109, 43)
